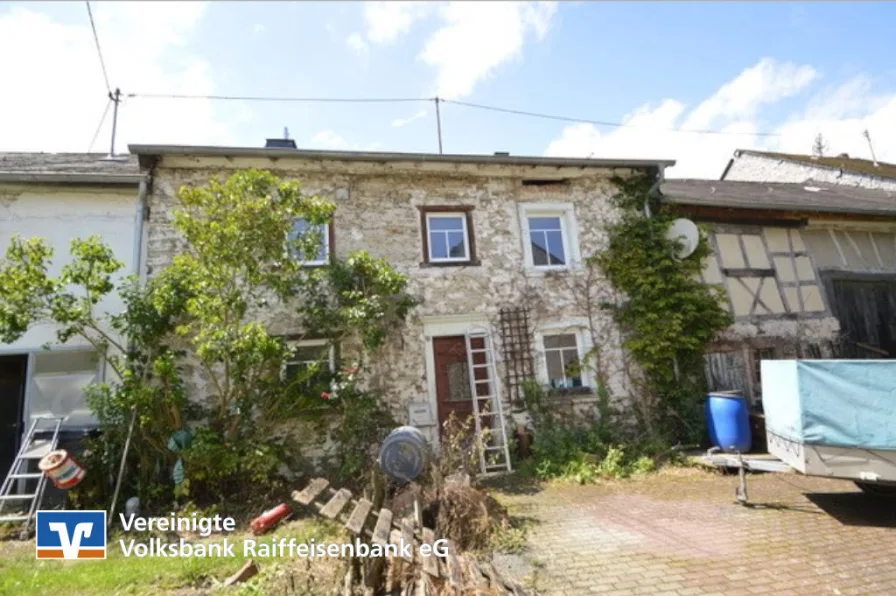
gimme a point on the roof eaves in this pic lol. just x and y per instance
(366, 156)
(74, 179)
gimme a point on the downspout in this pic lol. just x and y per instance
(654, 193)
(142, 192)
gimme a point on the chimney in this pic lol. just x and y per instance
(284, 143)
(502, 154)
(844, 155)
(280, 144)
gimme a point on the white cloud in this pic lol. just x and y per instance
(477, 37)
(60, 92)
(840, 114)
(329, 140)
(387, 21)
(356, 43)
(399, 122)
(258, 28)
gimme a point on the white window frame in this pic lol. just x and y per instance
(575, 327)
(325, 238)
(565, 212)
(463, 220)
(305, 343)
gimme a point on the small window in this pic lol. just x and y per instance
(562, 358)
(546, 236)
(549, 236)
(312, 363)
(447, 237)
(302, 227)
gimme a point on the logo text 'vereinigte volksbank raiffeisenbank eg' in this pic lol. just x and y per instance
(82, 535)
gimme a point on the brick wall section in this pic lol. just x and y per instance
(380, 215)
(756, 168)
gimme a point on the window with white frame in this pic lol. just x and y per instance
(301, 227)
(448, 239)
(549, 235)
(562, 350)
(311, 362)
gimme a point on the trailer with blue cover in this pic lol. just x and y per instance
(829, 418)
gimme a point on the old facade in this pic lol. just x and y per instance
(809, 270)
(488, 242)
(60, 197)
(761, 166)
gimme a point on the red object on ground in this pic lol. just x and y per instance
(270, 518)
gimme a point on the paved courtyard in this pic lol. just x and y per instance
(681, 533)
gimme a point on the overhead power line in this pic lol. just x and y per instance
(99, 51)
(437, 100)
(603, 123)
(282, 99)
(99, 126)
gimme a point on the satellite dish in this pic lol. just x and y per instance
(684, 231)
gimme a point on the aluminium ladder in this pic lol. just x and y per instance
(33, 448)
(488, 414)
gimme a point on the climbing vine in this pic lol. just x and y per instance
(668, 314)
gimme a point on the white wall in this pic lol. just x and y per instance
(59, 215)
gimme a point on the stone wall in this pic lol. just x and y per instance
(377, 210)
(757, 168)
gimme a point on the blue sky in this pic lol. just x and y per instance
(794, 69)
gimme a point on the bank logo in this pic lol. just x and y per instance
(71, 535)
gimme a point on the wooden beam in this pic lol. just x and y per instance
(308, 494)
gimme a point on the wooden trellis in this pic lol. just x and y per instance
(461, 572)
(516, 341)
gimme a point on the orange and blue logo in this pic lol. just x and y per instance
(71, 534)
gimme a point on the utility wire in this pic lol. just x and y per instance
(282, 99)
(96, 38)
(450, 101)
(603, 123)
(100, 125)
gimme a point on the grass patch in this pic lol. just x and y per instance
(22, 574)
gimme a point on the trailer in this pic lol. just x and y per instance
(826, 418)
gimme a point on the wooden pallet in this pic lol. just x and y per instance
(457, 570)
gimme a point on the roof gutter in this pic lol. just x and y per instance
(380, 157)
(72, 179)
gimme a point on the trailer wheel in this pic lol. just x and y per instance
(877, 489)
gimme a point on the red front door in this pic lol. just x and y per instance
(453, 377)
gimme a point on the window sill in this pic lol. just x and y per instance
(473, 263)
(569, 392)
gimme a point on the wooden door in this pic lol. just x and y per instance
(12, 397)
(453, 377)
(867, 313)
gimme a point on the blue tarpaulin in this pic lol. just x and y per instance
(838, 403)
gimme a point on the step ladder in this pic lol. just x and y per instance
(488, 413)
(42, 438)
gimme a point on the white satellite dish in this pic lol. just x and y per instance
(684, 231)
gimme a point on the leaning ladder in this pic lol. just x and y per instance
(488, 413)
(33, 448)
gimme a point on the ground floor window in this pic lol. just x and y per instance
(563, 351)
(311, 363)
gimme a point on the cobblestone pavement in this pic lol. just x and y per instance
(680, 533)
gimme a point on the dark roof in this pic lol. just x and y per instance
(809, 197)
(87, 168)
(865, 167)
(371, 156)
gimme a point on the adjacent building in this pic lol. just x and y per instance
(60, 197)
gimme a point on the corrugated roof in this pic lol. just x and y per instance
(809, 197)
(847, 164)
(69, 167)
(376, 156)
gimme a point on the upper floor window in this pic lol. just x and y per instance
(549, 235)
(448, 235)
(301, 227)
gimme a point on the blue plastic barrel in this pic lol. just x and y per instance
(728, 418)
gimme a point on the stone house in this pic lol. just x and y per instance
(493, 242)
(761, 166)
(60, 197)
(809, 269)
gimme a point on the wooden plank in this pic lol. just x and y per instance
(337, 503)
(430, 563)
(383, 525)
(407, 533)
(317, 486)
(453, 566)
(355, 523)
